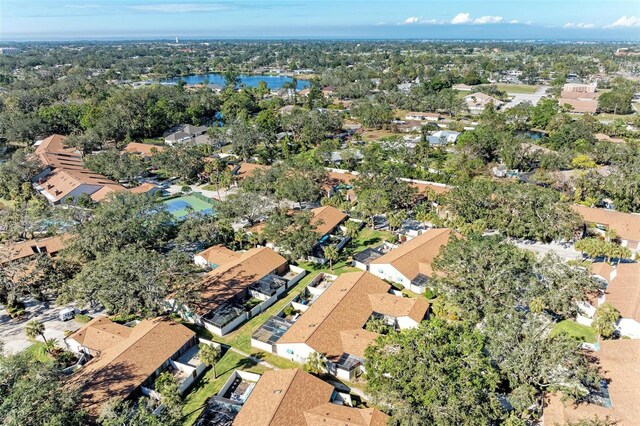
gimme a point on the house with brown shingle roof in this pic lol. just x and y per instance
(25, 249)
(127, 360)
(294, 397)
(334, 325)
(64, 176)
(326, 219)
(622, 290)
(144, 150)
(410, 263)
(239, 286)
(626, 225)
(617, 397)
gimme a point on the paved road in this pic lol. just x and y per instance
(565, 251)
(12, 331)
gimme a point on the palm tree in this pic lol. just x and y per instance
(315, 363)
(331, 254)
(210, 354)
(34, 329)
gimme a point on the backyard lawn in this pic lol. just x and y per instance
(207, 386)
(578, 331)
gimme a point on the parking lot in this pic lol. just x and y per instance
(12, 331)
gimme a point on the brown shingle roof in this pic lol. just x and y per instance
(24, 249)
(295, 398)
(620, 364)
(602, 269)
(580, 105)
(143, 189)
(232, 278)
(54, 154)
(219, 255)
(143, 149)
(623, 291)
(100, 333)
(334, 323)
(69, 172)
(627, 225)
(326, 218)
(415, 256)
(125, 365)
(246, 170)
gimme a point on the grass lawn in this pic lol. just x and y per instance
(207, 386)
(608, 116)
(578, 331)
(37, 352)
(518, 88)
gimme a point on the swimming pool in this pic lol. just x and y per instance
(182, 206)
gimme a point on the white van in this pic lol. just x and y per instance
(67, 314)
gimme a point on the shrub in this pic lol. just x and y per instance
(83, 319)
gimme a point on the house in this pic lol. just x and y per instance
(410, 264)
(127, 360)
(146, 188)
(620, 288)
(626, 225)
(607, 138)
(326, 219)
(449, 136)
(423, 116)
(64, 177)
(295, 397)
(617, 398)
(334, 325)
(462, 87)
(11, 252)
(327, 91)
(244, 170)
(240, 286)
(144, 150)
(184, 133)
(478, 101)
(580, 98)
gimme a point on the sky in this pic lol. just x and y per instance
(366, 19)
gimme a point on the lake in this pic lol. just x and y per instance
(273, 81)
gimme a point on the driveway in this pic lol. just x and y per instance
(12, 331)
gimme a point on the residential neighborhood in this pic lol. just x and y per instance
(319, 213)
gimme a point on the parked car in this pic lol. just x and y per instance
(68, 314)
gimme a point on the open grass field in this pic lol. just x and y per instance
(578, 331)
(518, 88)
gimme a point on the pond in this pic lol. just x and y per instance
(273, 81)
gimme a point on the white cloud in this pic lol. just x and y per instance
(413, 20)
(580, 25)
(419, 20)
(488, 20)
(179, 7)
(630, 21)
(461, 18)
(514, 21)
(465, 18)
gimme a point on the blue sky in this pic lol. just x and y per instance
(119, 19)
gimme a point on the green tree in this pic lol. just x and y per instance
(292, 233)
(131, 280)
(435, 374)
(33, 394)
(332, 254)
(34, 329)
(210, 354)
(315, 363)
(604, 322)
(127, 219)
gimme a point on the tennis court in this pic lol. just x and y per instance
(182, 206)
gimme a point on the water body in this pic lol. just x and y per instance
(274, 82)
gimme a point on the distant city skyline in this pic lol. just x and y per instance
(375, 19)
